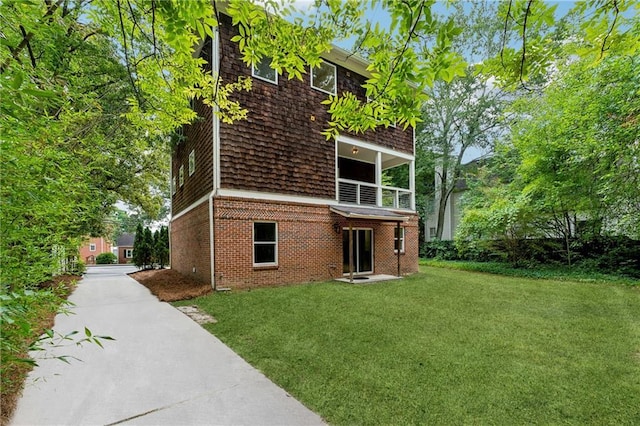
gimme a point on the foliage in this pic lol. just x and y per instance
(151, 248)
(529, 48)
(440, 249)
(106, 258)
(464, 113)
(525, 351)
(161, 246)
(576, 273)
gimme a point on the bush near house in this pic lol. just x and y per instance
(106, 258)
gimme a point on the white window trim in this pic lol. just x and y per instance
(402, 240)
(181, 175)
(254, 75)
(335, 79)
(254, 242)
(192, 162)
(92, 247)
(128, 253)
(173, 185)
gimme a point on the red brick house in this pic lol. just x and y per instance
(125, 248)
(92, 248)
(268, 200)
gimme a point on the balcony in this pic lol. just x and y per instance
(365, 176)
(366, 194)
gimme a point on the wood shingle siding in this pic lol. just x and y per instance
(279, 148)
(198, 137)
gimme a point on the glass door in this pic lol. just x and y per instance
(362, 251)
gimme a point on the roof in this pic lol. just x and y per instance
(336, 55)
(369, 213)
(125, 240)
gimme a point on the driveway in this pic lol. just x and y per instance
(162, 369)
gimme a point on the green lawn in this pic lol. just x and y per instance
(444, 347)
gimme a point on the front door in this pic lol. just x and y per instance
(362, 251)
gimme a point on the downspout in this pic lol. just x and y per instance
(212, 246)
(215, 127)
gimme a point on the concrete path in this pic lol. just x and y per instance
(162, 369)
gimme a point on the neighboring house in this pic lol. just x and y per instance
(125, 248)
(268, 200)
(92, 248)
(452, 213)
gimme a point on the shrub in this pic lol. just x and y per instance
(106, 258)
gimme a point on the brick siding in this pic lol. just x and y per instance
(309, 248)
(190, 243)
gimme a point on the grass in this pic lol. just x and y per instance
(553, 272)
(444, 347)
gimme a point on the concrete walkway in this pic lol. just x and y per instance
(162, 369)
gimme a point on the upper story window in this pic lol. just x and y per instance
(192, 162)
(265, 243)
(324, 78)
(181, 175)
(173, 185)
(263, 71)
(92, 247)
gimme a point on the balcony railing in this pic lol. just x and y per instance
(366, 194)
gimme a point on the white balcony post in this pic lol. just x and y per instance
(412, 183)
(379, 179)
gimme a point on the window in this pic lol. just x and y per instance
(263, 71)
(192, 162)
(181, 175)
(432, 232)
(128, 253)
(265, 243)
(173, 185)
(324, 78)
(92, 247)
(398, 239)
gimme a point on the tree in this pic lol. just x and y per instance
(161, 246)
(139, 247)
(465, 113)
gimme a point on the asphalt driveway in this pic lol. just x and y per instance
(162, 369)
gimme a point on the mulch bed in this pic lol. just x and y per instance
(170, 286)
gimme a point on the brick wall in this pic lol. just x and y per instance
(190, 243)
(122, 258)
(309, 248)
(88, 256)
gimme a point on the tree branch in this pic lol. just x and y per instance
(15, 53)
(613, 24)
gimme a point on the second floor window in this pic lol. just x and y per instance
(192, 162)
(92, 247)
(263, 71)
(173, 185)
(181, 175)
(324, 78)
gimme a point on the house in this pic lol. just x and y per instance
(268, 200)
(125, 248)
(452, 213)
(92, 248)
